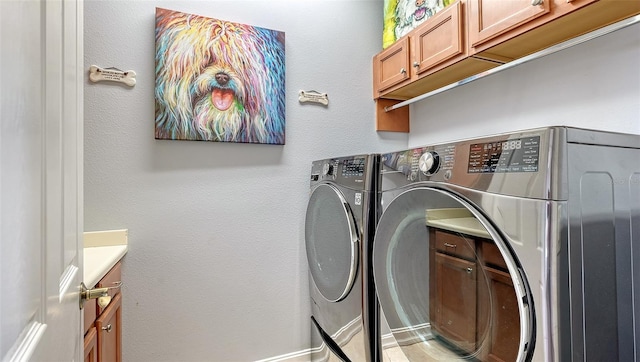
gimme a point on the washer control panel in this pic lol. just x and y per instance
(347, 171)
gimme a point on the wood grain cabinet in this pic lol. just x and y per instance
(103, 326)
(453, 298)
(473, 303)
(438, 43)
(497, 304)
(471, 36)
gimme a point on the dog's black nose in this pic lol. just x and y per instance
(222, 78)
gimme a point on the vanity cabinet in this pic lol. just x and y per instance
(453, 302)
(502, 342)
(103, 326)
(109, 328)
(470, 287)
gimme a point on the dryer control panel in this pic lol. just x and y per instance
(508, 155)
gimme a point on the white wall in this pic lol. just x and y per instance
(216, 268)
(592, 85)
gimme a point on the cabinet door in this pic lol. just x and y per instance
(91, 345)
(109, 326)
(438, 39)
(489, 18)
(391, 66)
(497, 306)
(456, 297)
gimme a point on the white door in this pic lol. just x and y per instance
(40, 180)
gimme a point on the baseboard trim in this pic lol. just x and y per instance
(303, 355)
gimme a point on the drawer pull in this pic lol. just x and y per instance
(469, 270)
(107, 328)
(450, 245)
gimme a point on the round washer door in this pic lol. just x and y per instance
(331, 239)
(448, 285)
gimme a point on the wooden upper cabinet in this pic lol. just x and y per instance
(432, 46)
(515, 28)
(391, 66)
(472, 36)
(489, 18)
(439, 40)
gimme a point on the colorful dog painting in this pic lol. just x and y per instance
(218, 81)
(402, 16)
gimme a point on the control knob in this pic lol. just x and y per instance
(429, 162)
(327, 169)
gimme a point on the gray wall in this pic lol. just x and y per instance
(216, 268)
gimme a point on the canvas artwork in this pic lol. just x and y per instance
(402, 16)
(218, 81)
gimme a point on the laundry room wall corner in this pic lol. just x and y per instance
(216, 267)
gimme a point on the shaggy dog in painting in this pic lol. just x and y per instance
(218, 81)
(411, 13)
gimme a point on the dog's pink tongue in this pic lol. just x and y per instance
(222, 98)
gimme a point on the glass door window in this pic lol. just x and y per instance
(331, 240)
(448, 285)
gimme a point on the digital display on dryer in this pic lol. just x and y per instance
(512, 155)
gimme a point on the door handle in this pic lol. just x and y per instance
(86, 294)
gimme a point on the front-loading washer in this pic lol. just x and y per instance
(513, 247)
(339, 226)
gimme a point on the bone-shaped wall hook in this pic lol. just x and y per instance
(113, 74)
(313, 96)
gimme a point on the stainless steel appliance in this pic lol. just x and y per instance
(340, 222)
(519, 246)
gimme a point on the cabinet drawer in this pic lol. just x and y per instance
(111, 279)
(458, 245)
(492, 256)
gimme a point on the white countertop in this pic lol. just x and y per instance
(103, 249)
(456, 220)
(98, 260)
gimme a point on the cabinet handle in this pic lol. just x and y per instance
(536, 2)
(469, 270)
(107, 328)
(450, 245)
(416, 65)
(403, 71)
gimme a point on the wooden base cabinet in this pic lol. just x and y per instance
(473, 304)
(91, 345)
(455, 301)
(109, 327)
(501, 343)
(103, 326)
(453, 279)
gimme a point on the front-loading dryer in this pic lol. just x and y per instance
(340, 222)
(513, 247)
